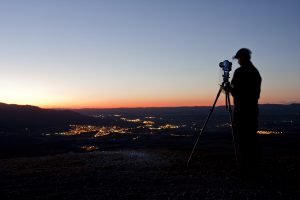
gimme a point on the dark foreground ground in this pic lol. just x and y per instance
(154, 170)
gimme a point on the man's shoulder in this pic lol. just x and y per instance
(237, 70)
(247, 72)
(248, 68)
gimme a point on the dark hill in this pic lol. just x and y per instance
(20, 117)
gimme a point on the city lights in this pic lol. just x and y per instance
(98, 130)
(264, 132)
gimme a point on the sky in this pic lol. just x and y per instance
(142, 53)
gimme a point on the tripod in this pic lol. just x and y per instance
(228, 107)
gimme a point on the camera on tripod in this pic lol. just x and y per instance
(226, 67)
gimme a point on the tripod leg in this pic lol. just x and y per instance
(205, 123)
(228, 105)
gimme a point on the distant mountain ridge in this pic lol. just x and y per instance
(19, 117)
(277, 109)
(15, 117)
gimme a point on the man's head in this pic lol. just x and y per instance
(243, 55)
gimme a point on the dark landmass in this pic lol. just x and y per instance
(20, 117)
(145, 164)
(154, 167)
(28, 130)
(27, 118)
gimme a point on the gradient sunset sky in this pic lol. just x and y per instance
(137, 53)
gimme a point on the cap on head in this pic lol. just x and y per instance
(243, 52)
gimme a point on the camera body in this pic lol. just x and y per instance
(226, 66)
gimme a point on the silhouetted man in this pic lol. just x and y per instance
(245, 89)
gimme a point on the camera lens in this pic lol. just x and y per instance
(221, 64)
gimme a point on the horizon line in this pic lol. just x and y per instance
(139, 107)
(179, 106)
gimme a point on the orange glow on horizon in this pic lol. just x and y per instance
(134, 103)
(145, 103)
(131, 104)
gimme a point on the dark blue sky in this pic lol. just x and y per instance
(88, 53)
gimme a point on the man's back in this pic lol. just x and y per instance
(246, 84)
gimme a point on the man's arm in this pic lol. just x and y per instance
(230, 87)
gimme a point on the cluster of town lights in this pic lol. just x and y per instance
(264, 132)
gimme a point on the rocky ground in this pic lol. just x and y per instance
(150, 173)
